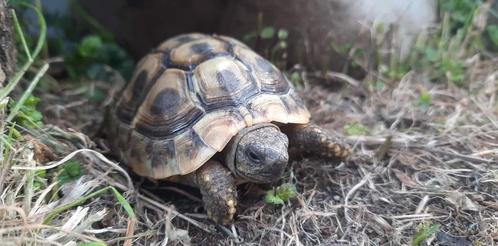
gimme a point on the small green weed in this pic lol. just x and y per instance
(85, 56)
(355, 55)
(379, 85)
(40, 180)
(297, 79)
(267, 32)
(425, 100)
(443, 53)
(461, 12)
(493, 33)
(355, 129)
(28, 116)
(70, 171)
(92, 54)
(440, 53)
(424, 231)
(271, 41)
(281, 194)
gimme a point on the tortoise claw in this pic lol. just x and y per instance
(221, 211)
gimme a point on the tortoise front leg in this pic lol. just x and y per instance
(310, 138)
(218, 190)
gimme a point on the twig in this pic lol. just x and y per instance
(351, 193)
(166, 208)
(421, 204)
(71, 155)
(130, 230)
(344, 77)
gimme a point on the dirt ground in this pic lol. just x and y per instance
(415, 168)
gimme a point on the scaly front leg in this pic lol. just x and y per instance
(218, 190)
(312, 139)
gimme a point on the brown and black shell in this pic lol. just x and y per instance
(189, 97)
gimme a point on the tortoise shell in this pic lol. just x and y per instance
(190, 96)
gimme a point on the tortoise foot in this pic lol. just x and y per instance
(219, 192)
(313, 139)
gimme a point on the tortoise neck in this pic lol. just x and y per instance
(231, 150)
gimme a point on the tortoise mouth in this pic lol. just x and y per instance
(268, 174)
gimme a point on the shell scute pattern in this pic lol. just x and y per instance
(135, 153)
(191, 150)
(187, 100)
(225, 123)
(178, 40)
(167, 107)
(232, 41)
(223, 81)
(145, 73)
(268, 107)
(267, 75)
(162, 157)
(193, 53)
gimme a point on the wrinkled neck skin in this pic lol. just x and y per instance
(258, 154)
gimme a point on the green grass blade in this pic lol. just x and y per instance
(43, 30)
(70, 205)
(92, 22)
(124, 203)
(27, 93)
(6, 142)
(41, 40)
(121, 199)
(21, 35)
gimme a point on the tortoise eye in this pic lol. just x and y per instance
(251, 154)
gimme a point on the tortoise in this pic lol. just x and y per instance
(207, 111)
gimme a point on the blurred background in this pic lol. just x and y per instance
(323, 35)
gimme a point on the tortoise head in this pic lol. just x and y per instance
(259, 153)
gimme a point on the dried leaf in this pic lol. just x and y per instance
(73, 221)
(493, 205)
(179, 235)
(461, 201)
(404, 178)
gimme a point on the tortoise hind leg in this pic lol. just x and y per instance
(218, 190)
(312, 139)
